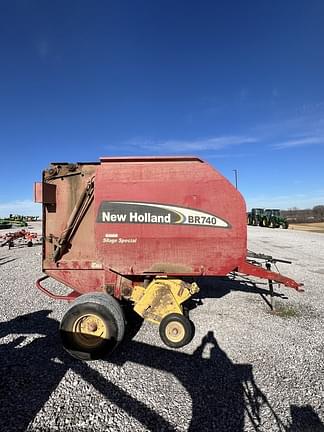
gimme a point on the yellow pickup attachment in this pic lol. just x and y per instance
(162, 297)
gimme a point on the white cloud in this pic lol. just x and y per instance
(297, 131)
(185, 146)
(284, 202)
(24, 207)
(288, 132)
(299, 142)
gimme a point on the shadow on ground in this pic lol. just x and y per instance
(222, 393)
(8, 260)
(217, 287)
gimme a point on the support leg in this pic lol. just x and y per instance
(272, 299)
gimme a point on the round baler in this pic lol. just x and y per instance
(138, 231)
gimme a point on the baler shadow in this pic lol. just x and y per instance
(28, 372)
(8, 261)
(217, 287)
(304, 419)
(222, 393)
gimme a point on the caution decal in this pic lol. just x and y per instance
(132, 212)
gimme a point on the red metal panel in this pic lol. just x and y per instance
(45, 193)
(136, 248)
(38, 194)
(252, 270)
(150, 215)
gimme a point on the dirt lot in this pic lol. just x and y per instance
(313, 227)
(246, 369)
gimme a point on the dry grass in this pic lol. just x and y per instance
(285, 311)
(312, 227)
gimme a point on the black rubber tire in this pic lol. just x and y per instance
(108, 310)
(188, 327)
(133, 321)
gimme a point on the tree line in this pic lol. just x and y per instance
(295, 215)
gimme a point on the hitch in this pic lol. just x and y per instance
(268, 258)
(251, 269)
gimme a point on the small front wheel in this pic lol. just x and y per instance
(176, 330)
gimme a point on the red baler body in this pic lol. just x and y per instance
(172, 216)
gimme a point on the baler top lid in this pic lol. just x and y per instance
(151, 159)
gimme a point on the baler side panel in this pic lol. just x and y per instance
(78, 267)
(138, 248)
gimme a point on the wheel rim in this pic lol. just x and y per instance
(90, 330)
(175, 331)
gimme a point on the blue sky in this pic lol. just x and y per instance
(240, 84)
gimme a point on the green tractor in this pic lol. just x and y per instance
(18, 220)
(273, 219)
(5, 224)
(13, 221)
(255, 216)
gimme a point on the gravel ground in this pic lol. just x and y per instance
(246, 369)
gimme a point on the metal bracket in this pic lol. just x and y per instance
(72, 296)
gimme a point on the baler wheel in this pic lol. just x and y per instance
(92, 327)
(176, 330)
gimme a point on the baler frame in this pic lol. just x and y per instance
(247, 268)
(82, 218)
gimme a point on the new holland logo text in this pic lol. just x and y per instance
(134, 217)
(132, 212)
